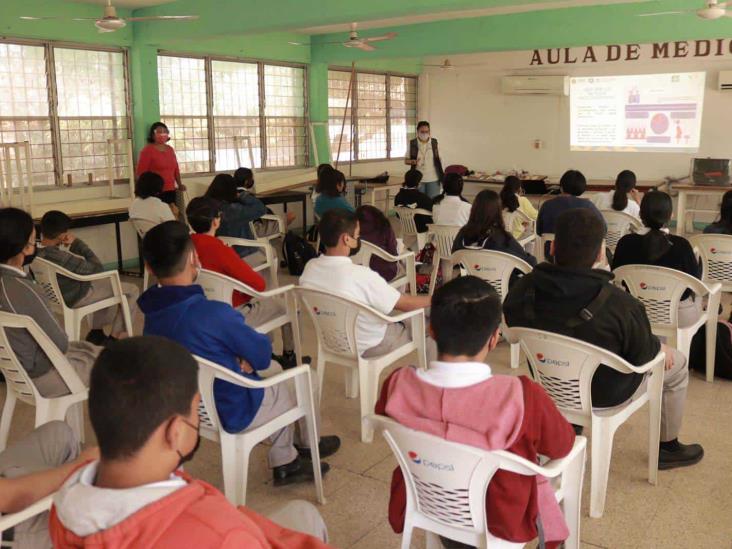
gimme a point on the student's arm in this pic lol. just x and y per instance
(639, 345)
(527, 207)
(236, 267)
(253, 207)
(165, 211)
(391, 242)
(540, 221)
(343, 203)
(18, 493)
(554, 434)
(690, 264)
(620, 257)
(85, 260)
(242, 340)
(409, 302)
(425, 202)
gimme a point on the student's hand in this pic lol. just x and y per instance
(669, 361)
(181, 187)
(636, 195)
(245, 367)
(88, 454)
(410, 161)
(68, 239)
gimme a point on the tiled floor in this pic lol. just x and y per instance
(688, 508)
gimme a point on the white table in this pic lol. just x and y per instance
(693, 190)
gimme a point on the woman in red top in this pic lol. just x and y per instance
(160, 158)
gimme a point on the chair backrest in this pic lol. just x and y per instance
(142, 225)
(659, 289)
(494, 267)
(446, 481)
(543, 247)
(45, 273)
(406, 218)
(618, 225)
(564, 366)
(443, 237)
(363, 257)
(208, 372)
(219, 287)
(16, 377)
(716, 255)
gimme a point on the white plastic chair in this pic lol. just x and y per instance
(618, 225)
(660, 289)
(20, 385)
(541, 245)
(270, 262)
(271, 237)
(219, 287)
(715, 251)
(142, 226)
(406, 260)
(442, 237)
(334, 318)
(529, 235)
(236, 447)
(495, 268)
(564, 366)
(409, 226)
(449, 500)
(11, 520)
(46, 274)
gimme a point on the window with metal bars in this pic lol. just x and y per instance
(234, 104)
(380, 117)
(66, 101)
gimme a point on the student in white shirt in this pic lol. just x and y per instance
(624, 198)
(146, 204)
(336, 273)
(450, 207)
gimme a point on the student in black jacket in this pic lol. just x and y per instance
(411, 197)
(655, 246)
(485, 229)
(552, 297)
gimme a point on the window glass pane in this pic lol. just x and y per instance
(284, 91)
(402, 113)
(236, 113)
(24, 114)
(182, 92)
(371, 115)
(337, 95)
(91, 109)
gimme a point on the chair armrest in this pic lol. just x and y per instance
(275, 292)
(269, 381)
(383, 254)
(556, 467)
(233, 241)
(400, 317)
(13, 519)
(643, 368)
(89, 277)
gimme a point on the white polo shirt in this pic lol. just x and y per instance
(451, 211)
(605, 202)
(339, 275)
(151, 209)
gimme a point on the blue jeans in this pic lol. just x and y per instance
(430, 188)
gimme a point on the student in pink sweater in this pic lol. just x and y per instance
(460, 399)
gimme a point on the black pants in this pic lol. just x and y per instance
(168, 197)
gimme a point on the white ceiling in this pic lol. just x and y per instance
(441, 16)
(133, 4)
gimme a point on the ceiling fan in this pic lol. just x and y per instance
(712, 10)
(110, 22)
(446, 65)
(354, 41)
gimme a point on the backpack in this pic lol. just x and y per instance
(296, 252)
(723, 354)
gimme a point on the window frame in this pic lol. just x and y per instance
(354, 109)
(52, 92)
(208, 61)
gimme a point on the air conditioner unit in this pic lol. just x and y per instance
(725, 80)
(535, 85)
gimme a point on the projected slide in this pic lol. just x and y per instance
(647, 112)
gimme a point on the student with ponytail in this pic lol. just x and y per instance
(653, 245)
(625, 198)
(513, 199)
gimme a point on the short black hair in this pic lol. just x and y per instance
(334, 223)
(149, 184)
(422, 123)
(465, 313)
(412, 179)
(242, 175)
(16, 227)
(54, 223)
(578, 238)
(137, 384)
(151, 133)
(201, 212)
(573, 182)
(223, 188)
(453, 184)
(165, 248)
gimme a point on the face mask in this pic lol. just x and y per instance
(357, 249)
(196, 266)
(189, 456)
(28, 259)
(424, 136)
(161, 138)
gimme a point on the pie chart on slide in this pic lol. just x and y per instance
(659, 123)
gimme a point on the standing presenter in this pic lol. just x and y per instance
(159, 157)
(423, 155)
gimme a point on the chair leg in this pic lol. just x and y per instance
(351, 380)
(515, 355)
(407, 535)
(655, 396)
(433, 274)
(572, 503)
(711, 334)
(368, 380)
(602, 448)
(320, 372)
(230, 467)
(7, 417)
(432, 540)
(243, 450)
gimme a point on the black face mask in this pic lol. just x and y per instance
(189, 456)
(354, 251)
(28, 259)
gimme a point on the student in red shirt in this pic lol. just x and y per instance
(159, 157)
(204, 217)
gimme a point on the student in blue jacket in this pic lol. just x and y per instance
(332, 185)
(178, 309)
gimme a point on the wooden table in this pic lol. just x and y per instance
(699, 190)
(374, 189)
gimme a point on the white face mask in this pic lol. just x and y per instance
(424, 136)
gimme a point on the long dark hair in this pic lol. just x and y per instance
(624, 183)
(509, 193)
(655, 212)
(725, 212)
(151, 133)
(486, 218)
(374, 219)
(451, 186)
(329, 181)
(223, 188)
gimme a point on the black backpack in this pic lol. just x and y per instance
(296, 252)
(723, 354)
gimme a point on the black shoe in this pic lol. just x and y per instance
(288, 360)
(674, 454)
(578, 429)
(327, 446)
(448, 543)
(298, 470)
(99, 338)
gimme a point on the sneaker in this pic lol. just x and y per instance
(327, 447)
(298, 470)
(288, 360)
(679, 455)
